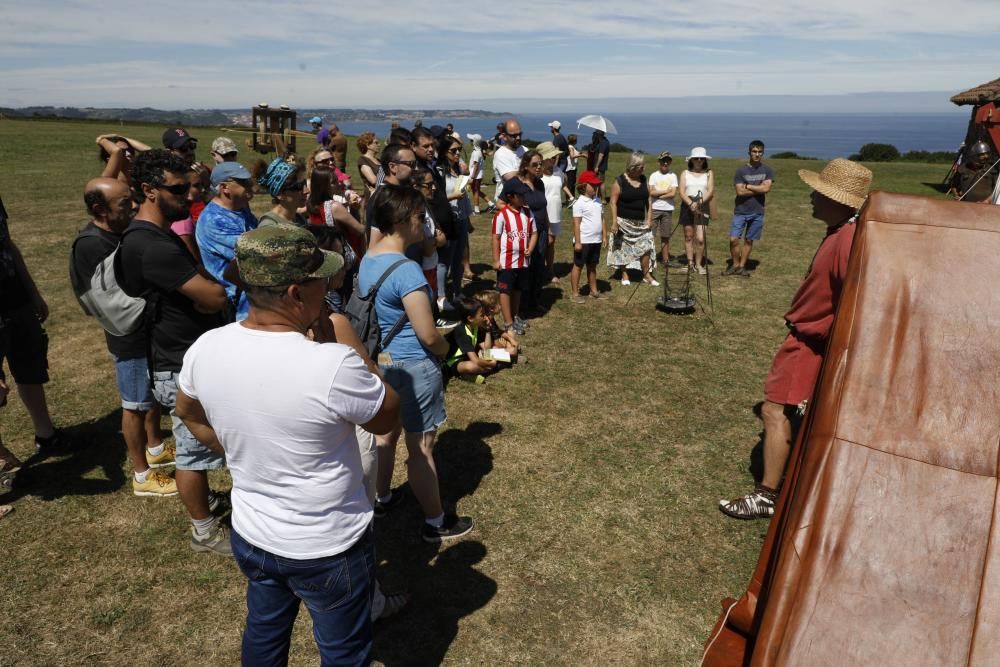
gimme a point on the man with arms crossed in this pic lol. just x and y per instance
(752, 181)
(282, 409)
(155, 264)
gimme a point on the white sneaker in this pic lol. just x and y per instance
(626, 282)
(652, 282)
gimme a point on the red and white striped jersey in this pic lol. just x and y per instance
(514, 229)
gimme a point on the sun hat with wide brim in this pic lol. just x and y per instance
(699, 151)
(547, 150)
(841, 180)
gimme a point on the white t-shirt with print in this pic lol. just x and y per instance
(477, 159)
(660, 181)
(285, 409)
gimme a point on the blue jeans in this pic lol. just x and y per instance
(337, 591)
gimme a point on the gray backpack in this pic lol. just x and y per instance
(102, 297)
(360, 310)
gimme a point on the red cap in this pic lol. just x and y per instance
(589, 177)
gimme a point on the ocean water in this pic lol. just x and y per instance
(727, 135)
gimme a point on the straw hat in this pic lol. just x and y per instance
(547, 150)
(841, 180)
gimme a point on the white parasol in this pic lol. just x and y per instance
(597, 122)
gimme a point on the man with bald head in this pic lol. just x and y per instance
(507, 159)
(111, 207)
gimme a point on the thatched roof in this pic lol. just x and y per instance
(981, 94)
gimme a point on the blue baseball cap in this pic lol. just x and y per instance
(316, 119)
(228, 171)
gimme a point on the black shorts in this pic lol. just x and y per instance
(509, 280)
(589, 255)
(25, 345)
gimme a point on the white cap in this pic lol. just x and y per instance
(555, 125)
(474, 137)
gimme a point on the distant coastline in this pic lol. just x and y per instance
(235, 117)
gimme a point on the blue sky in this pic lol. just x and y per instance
(433, 54)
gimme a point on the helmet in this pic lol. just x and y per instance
(979, 148)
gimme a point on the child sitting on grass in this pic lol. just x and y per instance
(466, 340)
(503, 340)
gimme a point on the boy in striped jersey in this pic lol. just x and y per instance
(514, 238)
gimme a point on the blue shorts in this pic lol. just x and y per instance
(751, 224)
(191, 454)
(132, 377)
(421, 392)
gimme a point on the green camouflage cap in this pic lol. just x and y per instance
(283, 255)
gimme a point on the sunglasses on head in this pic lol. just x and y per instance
(177, 188)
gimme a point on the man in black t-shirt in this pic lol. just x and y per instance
(110, 203)
(157, 265)
(23, 341)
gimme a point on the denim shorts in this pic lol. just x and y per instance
(752, 224)
(191, 454)
(132, 376)
(420, 386)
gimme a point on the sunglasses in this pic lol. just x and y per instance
(454, 151)
(176, 189)
(430, 185)
(534, 164)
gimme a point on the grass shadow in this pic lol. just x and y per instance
(95, 444)
(444, 584)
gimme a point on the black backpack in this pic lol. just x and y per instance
(360, 310)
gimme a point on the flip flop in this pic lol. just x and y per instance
(5, 510)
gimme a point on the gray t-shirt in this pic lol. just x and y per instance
(753, 204)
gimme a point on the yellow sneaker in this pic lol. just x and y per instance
(166, 457)
(157, 483)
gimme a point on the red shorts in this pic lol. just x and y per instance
(794, 371)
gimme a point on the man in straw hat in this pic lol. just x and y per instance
(838, 192)
(283, 408)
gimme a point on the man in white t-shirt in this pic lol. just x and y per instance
(283, 410)
(662, 189)
(507, 159)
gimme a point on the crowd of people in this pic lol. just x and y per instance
(251, 332)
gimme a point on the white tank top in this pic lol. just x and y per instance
(694, 183)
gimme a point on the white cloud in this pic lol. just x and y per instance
(360, 54)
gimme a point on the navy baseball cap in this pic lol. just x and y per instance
(177, 137)
(514, 186)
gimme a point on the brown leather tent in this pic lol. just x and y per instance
(881, 550)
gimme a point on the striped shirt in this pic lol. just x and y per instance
(515, 229)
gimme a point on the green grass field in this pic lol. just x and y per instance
(593, 471)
